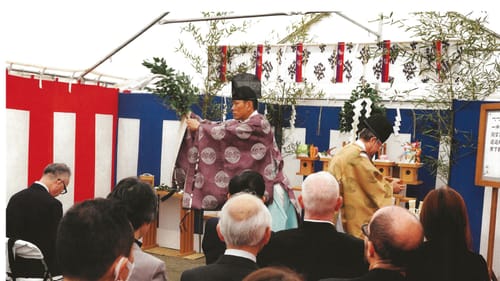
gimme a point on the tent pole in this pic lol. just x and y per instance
(358, 24)
(225, 18)
(122, 46)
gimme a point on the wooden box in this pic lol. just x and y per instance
(306, 166)
(325, 161)
(408, 172)
(385, 167)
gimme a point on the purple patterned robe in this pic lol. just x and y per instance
(211, 156)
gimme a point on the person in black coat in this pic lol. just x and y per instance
(33, 215)
(391, 239)
(315, 249)
(248, 181)
(245, 226)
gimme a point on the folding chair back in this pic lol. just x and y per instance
(25, 261)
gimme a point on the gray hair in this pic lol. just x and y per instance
(244, 219)
(57, 169)
(319, 190)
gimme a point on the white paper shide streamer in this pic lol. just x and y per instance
(397, 122)
(365, 103)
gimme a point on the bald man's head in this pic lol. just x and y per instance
(395, 233)
(244, 220)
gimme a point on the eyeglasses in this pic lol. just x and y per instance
(64, 190)
(364, 229)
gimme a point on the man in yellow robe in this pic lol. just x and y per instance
(362, 185)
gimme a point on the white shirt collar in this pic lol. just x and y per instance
(42, 184)
(363, 148)
(255, 112)
(321, 221)
(361, 144)
(240, 253)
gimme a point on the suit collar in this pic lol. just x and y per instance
(381, 274)
(316, 225)
(240, 253)
(40, 184)
(225, 259)
(319, 221)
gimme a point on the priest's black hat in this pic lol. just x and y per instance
(379, 126)
(245, 86)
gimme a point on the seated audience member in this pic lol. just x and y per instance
(33, 215)
(248, 181)
(274, 273)
(391, 238)
(245, 226)
(446, 254)
(94, 242)
(315, 249)
(141, 203)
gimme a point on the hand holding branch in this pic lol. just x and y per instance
(192, 124)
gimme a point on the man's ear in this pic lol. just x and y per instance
(370, 250)
(267, 236)
(219, 233)
(339, 202)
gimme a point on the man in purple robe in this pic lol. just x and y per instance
(213, 152)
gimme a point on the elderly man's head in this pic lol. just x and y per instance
(320, 196)
(392, 235)
(245, 222)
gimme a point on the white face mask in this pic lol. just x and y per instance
(130, 267)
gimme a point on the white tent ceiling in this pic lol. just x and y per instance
(63, 35)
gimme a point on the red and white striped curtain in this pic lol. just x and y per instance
(51, 121)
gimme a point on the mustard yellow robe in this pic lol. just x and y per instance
(362, 186)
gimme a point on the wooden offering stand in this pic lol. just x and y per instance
(385, 167)
(186, 225)
(408, 172)
(325, 161)
(186, 222)
(306, 165)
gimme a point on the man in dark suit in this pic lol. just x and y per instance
(248, 181)
(33, 215)
(316, 249)
(391, 238)
(245, 226)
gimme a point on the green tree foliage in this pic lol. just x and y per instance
(204, 59)
(470, 72)
(174, 88)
